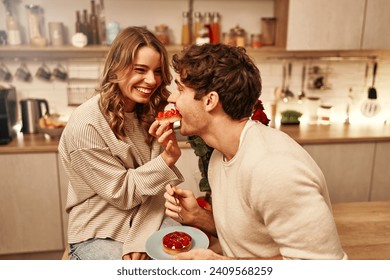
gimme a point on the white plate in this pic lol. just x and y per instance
(154, 243)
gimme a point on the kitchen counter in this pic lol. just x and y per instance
(303, 134)
(30, 143)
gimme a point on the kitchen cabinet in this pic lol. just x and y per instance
(336, 24)
(376, 32)
(347, 169)
(381, 173)
(30, 213)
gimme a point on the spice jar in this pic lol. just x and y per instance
(256, 41)
(162, 34)
(228, 38)
(240, 36)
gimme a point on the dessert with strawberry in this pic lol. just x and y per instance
(171, 115)
(176, 242)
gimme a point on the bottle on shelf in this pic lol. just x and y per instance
(207, 24)
(78, 24)
(198, 24)
(185, 30)
(86, 26)
(215, 29)
(102, 22)
(94, 25)
(13, 32)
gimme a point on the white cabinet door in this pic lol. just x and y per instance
(30, 214)
(376, 28)
(325, 24)
(347, 169)
(381, 174)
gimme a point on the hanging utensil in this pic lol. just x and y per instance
(371, 106)
(283, 91)
(302, 94)
(288, 92)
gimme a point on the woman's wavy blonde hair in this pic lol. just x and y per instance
(119, 58)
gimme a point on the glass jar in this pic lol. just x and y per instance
(256, 41)
(313, 103)
(324, 114)
(162, 34)
(35, 22)
(268, 29)
(240, 36)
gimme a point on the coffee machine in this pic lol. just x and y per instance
(8, 113)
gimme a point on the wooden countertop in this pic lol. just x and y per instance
(337, 133)
(30, 143)
(364, 229)
(304, 134)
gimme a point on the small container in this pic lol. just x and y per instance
(240, 36)
(324, 114)
(313, 103)
(56, 32)
(35, 22)
(228, 38)
(256, 41)
(268, 28)
(113, 29)
(162, 34)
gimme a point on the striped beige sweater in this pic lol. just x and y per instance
(115, 188)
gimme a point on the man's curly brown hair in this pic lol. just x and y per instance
(227, 70)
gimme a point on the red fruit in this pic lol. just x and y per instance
(203, 203)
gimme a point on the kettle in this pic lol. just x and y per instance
(31, 109)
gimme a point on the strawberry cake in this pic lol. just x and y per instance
(171, 115)
(176, 242)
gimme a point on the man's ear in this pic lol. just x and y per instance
(211, 100)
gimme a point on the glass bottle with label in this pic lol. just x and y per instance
(198, 24)
(185, 30)
(215, 29)
(207, 24)
(13, 31)
(94, 25)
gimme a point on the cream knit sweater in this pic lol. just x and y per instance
(115, 188)
(272, 199)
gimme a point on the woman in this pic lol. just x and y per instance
(117, 171)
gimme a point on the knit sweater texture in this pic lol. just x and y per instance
(271, 199)
(115, 187)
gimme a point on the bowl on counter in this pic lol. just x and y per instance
(52, 132)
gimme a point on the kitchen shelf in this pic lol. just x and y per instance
(99, 52)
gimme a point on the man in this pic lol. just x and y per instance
(269, 197)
